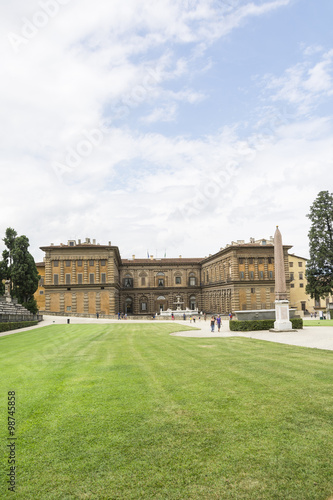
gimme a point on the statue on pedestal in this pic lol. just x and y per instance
(7, 291)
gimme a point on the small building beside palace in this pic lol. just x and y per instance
(299, 299)
(86, 278)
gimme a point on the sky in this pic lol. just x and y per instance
(168, 127)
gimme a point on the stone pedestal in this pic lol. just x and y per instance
(282, 322)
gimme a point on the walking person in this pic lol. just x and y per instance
(212, 323)
(218, 322)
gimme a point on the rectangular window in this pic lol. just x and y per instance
(317, 303)
(300, 275)
(192, 281)
(91, 263)
(68, 308)
(79, 263)
(270, 260)
(128, 282)
(241, 275)
(251, 275)
(79, 279)
(68, 279)
(143, 281)
(178, 280)
(91, 278)
(301, 285)
(103, 277)
(56, 279)
(103, 262)
(41, 282)
(68, 263)
(270, 275)
(261, 261)
(291, 264)
(253, 290)
(251, 260)
(241, 260)
(160, 282)
(143, 306)
(300, 264)
(291, 276)
(41, 292)
(292, 285)
(261, 275)
(55, 263)
(272, 290)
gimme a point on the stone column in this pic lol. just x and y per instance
(282, 322)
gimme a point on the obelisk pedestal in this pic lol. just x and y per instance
(282, 322)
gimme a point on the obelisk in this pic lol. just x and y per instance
(282, 322)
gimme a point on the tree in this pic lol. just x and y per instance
(319, 271)
(19, 266)
(7, 258)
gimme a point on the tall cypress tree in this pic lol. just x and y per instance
(319, 271)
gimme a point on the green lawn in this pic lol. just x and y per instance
(318, 322)
(127, 411)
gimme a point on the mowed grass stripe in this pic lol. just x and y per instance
(128, 411)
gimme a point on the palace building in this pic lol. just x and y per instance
(86, 278)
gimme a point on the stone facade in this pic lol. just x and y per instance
(299, 299)
(81, 278)
(88, 278)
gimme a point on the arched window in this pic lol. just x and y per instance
(143, 278)
(143, 304)
(160, 279)
(192, 279)
(128, 281)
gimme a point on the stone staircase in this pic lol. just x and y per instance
(11, 311)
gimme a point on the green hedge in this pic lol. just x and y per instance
(5, 327)
(261, 324)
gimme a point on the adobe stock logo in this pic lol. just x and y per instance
(49, 9)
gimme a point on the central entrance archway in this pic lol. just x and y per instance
(161, 303)
(129, 306)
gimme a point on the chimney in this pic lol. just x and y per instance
(133, 257)
(79, 242)
(94, 242)
(109, 243)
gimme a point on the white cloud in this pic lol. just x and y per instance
(92, 64)
(304, 84)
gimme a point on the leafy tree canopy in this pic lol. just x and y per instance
(319, 270)
(19, 267)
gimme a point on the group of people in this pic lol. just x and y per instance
(217, 321)
(122, 316)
